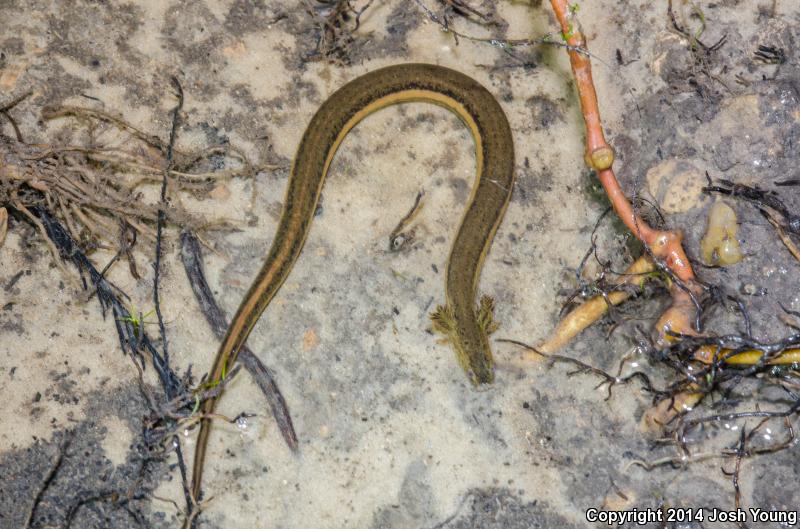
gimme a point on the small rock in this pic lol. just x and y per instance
(719, 246)
(677, 185)
(310, 340)
(10, 75)
(749, 289)
(220, 192)
(619, 500)
(235, 50)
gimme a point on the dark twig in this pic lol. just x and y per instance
(336, 30)
(504, 44)
(740, 451)
(187, 492)
(192, 263)
(770, 54)
(62, 451)
(682, 429)
(602, 285)
(4, 110)
(132, 340)
(583, 367)
(162, 214)
(717, 295)
(16, 101)
(89, 499)
(464, 9)
(693, 39)
(761, 198)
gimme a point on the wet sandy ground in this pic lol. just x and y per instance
(392, 435)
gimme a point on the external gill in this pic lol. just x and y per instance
(443, 321)
(486, 315)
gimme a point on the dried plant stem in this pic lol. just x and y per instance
(708, 354)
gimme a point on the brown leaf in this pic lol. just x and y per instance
(3, 225)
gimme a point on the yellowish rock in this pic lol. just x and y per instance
(719, 246)
(220, 192)
(677, 185)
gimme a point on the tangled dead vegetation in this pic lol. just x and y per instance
(102, 189)
(335, 23)
(119, 186)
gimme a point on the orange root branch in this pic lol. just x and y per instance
(664, 245)
(595, 308)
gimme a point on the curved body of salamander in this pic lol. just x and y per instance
(465, 325)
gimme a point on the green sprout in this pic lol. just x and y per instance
(224, 372)
(211, 384)
(702, 17)
(569, 33)
(137, 320)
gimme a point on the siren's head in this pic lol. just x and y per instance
(474, 355)
(469, 337)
